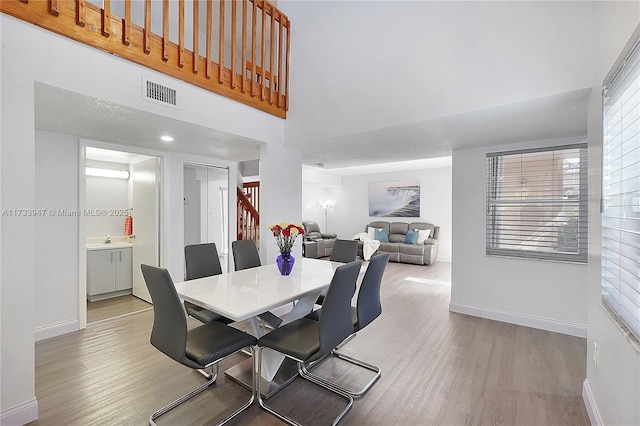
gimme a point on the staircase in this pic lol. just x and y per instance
(249, 212)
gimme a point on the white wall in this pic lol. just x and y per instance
(107, 194)
(504, 43)
(544, 294)
(351, 211)
(93, 73)
(612, 389)
(56, 257)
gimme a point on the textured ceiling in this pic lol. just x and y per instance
(63, 111)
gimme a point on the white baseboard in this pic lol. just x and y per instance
(590, 403)
(20, 414)
(57, 329)
(556, 326)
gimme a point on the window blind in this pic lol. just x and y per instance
(621, 192)
(537, 203)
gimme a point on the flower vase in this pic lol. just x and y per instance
(285, 263)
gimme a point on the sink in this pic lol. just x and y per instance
(106, 246)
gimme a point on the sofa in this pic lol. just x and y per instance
(397, 247)
(315, 243)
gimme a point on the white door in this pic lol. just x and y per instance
(146, 226)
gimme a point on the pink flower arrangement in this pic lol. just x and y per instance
(285, 235)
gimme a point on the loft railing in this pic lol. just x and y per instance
(248, 218)
(249, 39)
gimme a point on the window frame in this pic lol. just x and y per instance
(492, 231)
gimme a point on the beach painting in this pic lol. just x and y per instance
(394, 199)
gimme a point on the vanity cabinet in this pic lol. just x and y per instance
(109, 271)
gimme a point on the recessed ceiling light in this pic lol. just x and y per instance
(167, 138)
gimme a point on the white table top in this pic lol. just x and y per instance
(244, 294)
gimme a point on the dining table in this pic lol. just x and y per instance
(245, 295)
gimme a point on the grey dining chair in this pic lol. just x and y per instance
(368, 308)
(344, 251)
(202, 260)
(198, 348)
(305, 340)
(245, 254)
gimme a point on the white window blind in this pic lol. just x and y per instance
(621, 192)
(537, 203)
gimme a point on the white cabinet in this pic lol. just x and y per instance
(109, 271)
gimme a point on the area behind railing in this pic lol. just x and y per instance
(249, 39)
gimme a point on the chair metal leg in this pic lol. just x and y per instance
(370, 367)
(195, 392)
(209, 375)
(258, 371)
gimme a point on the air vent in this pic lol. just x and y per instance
(158, 93)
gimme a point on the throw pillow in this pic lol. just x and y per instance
(371, 232)
(423, 235)
(412, 237)
(381, 235)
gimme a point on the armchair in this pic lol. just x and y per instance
(317, 244)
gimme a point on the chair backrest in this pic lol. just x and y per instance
(368, 306)
(245, 254)
(169, 332)
(336, 323)
(202, 260)
(344, 251)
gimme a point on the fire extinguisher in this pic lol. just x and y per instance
(128, 225)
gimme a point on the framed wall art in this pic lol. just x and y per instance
(394, 199)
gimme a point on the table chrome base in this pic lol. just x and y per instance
(242, 374)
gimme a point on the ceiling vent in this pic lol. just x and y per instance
(158, 93)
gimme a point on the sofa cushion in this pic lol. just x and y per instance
(388, 247)
(397, 238)
(412, 237)
(399, 228)
(381, 235)
(423, 234)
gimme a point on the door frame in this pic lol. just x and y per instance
(82, 205)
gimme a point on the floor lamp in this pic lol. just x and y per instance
(326, 205)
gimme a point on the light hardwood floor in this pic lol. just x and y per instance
(439, 368)
(115, 307)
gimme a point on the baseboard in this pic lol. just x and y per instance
(590, 403)
(20, 414)
(57, 329)
(562, 327)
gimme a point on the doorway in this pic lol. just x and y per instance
(121, 230)
(206, 207)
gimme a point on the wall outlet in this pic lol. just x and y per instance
(595, 355)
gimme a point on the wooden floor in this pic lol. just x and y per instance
(439, 368)
(115, 307)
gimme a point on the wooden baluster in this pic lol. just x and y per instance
(126, 25)
(254, 24)
(54, 7)
(244, 45)
(209, 30)
(280, 43)
(81, 8)
(106, 18)
(147, 27)
(272, 81)
(286, 65)
(263, 44)
(196, 22)
(221, 43)
(181, 33)
(233, 43)
(165, 30)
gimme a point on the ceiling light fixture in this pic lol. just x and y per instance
(167, 138)
(120, 174)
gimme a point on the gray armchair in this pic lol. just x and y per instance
(317, 244)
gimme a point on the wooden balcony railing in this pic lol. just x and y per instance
(249, 39)
(248, 219)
